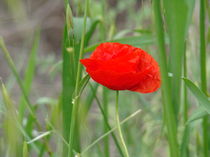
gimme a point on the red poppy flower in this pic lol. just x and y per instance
(123, 67)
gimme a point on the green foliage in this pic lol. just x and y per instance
(68, 114)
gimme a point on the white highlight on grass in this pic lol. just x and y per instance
(39, 137)
(170, 74)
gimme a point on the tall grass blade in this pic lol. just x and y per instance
(166, 88)
(198, 114)
(74, 120)
(12, 113)
(29, 72)
(68, 81)
(14, 70)
(203, 75)
(178, 15)
(199, 95)
(25, 150)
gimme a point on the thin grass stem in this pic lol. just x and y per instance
(76, 103)
(110, 131)
(125, 150)
(119, 147)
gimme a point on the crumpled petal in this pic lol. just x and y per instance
(123, 67)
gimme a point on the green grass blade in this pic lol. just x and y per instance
(13, 114)
(29, 72)
(203, 75)
(185, 141)
(68, 81)
(25, 150)
(199, 95)
(106, 122)
(14, 70)
(178, 14)
(166, 88)
(137, 41)
(198, 114)
(109, 132)
(83, 83)
(75, 105)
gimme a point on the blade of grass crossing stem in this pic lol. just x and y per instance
(29, 72)
(106, 122)
(203, 76)
(200, 96)
(198, 114)
(177, 13)
(166, 89)
(83, 83)
(110, 131)
(76, 103)
(90, 98)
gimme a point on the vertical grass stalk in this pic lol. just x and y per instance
(203, 74)
(76, 99)
(125, 150)
(68, 81)
(166, 88)
(106, 139)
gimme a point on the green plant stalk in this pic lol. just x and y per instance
(76, 101)
(67, 88)
(185, 90)
(105, 104)
(166, 88)
(203, 74)
(119, 147)
(125, 150)
(184, 151)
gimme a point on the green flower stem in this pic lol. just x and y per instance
(125, 150)
(203, 74)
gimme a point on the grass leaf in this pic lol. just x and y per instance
(29, 72)
(198, 114)
(199, 95)
(137, 41)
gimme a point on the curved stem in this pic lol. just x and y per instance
(125, 150)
